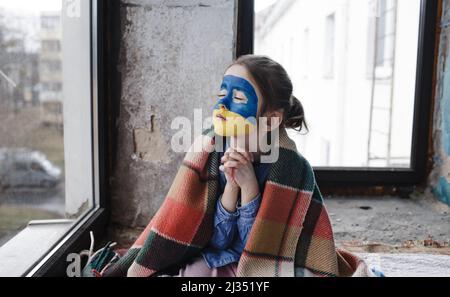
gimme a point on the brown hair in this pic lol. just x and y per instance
(276, 89)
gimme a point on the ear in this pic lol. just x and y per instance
(274, 119)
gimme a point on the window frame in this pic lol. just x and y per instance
(426, 61)
(103, 75)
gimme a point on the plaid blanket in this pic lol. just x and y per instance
(291, 235)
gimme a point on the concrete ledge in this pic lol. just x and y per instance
(410, 265)
(24, 250)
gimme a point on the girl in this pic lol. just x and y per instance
(250, 81)
(231, 213)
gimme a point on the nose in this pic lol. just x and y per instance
(222, 107)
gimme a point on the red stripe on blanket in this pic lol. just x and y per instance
(323, 227)
(167, 220)
(276, 203)
(300, 208)
(188, 188)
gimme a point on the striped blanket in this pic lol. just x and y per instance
(291, 236)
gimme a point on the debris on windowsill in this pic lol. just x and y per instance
(428, 245)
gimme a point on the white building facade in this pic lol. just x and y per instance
(353, 66)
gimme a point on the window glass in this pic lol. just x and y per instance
(353, 65)
(45, 113)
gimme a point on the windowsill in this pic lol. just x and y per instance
(25, 249)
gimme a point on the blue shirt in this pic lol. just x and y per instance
(232, 229)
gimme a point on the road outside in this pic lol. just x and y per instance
(23, 128)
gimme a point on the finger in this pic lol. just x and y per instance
(229, 151)
(246, 155)
(227, 154)
(239, 157)
(250, 156)
(228, 171)
(227, 158)
(224, 159)
(231, 164)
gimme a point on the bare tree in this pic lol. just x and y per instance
(18, 68)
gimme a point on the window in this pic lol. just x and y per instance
(329, 46)
(51, 46)
(51, 86)
(50, 21)
(363, 71)
(304, 58)
(49, 172)
(386, 26)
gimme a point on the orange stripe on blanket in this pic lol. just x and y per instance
(167, 220)
(276, 203)
(187, 188)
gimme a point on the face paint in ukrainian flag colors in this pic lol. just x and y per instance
(235, 112)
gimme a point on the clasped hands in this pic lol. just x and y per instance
(240, 176)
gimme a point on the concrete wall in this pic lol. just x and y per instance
(173, 55)
(440, 177)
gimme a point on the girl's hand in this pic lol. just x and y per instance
(238, 165)
(231, 192)
(229, 175)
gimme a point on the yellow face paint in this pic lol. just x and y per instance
(228, 123)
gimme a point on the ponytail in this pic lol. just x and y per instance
(295, 116)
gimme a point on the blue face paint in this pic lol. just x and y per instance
(240, 98)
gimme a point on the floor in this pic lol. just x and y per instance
(409, 265)
(390, 224)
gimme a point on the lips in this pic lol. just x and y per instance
(221, 117)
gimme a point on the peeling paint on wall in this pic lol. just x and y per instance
(446, 111)
(150, 146)
(440, 176)
(445, 85)
(442, 190)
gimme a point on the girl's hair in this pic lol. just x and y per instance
(276, 89)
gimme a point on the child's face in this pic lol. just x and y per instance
(237, 106)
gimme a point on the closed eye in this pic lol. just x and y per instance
(223, 93)
(239, 97)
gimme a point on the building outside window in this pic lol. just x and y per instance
(354, 69)
(330, 24)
